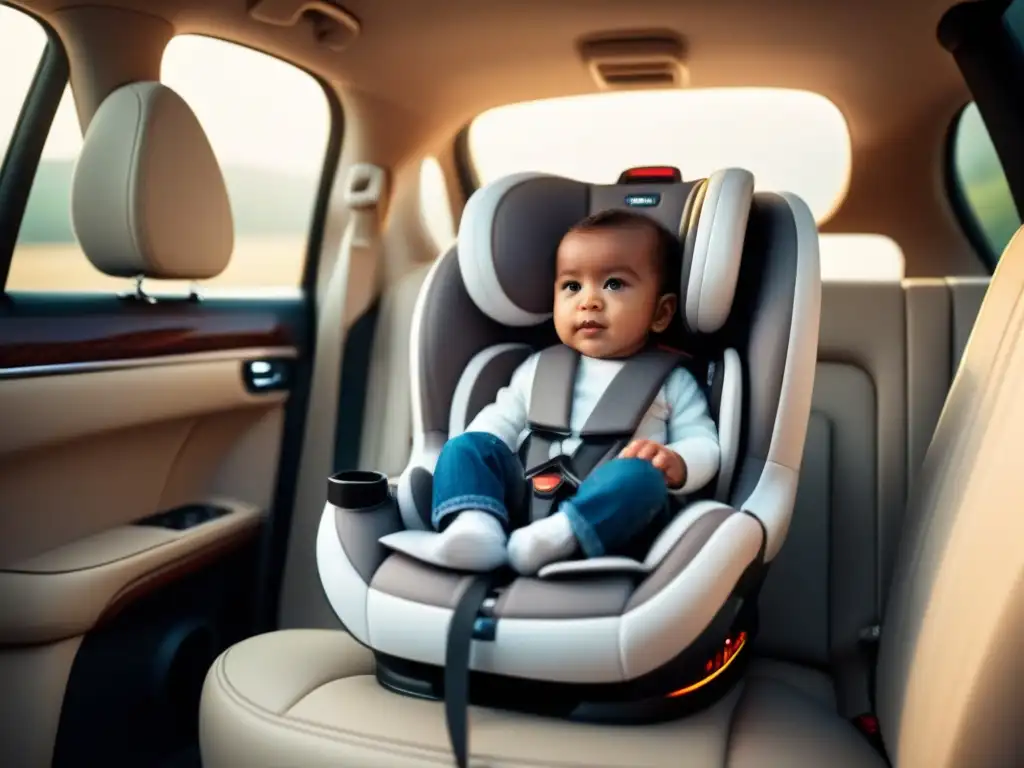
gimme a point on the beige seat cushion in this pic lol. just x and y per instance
(309, 698)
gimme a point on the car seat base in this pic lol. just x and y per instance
(687, 685)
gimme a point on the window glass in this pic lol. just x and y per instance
(791, 140)
(860, 258)
(436, 205)
(22, 43)
(268, 123)
(981, 183)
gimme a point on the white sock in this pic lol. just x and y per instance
(540, 543)
(473, 541)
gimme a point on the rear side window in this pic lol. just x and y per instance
(22, 44)
(980, 190)
(800, 144)
(269, 124)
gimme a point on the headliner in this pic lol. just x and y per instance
(877, 60)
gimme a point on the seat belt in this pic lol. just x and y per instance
(361, 259)
(344, 294)
(855, 685)
(608, 429)
(360, 254)
(623, 405)
(461, 632)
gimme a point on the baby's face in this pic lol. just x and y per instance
(607, 296)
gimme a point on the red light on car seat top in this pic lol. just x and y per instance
(651, 173)
(654, 170)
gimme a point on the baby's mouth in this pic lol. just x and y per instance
(591, 326)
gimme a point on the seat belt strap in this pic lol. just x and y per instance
(360, 252)
(461, 630)
(854, 675)
(622, 406)
(360, 257)
(551, 393)
(343, 293)
(548, 417)
(614, 419)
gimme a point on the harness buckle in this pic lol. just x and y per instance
(547, 484)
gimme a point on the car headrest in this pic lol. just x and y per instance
(148, 197)
(511, 228)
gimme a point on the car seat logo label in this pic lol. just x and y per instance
(648, 200)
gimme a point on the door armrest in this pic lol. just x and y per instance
(68, 591)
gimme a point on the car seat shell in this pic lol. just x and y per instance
(749, 302)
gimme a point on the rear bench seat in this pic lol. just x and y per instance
(887, 355)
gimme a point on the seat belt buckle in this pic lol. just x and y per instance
(867, 724)
(547, 484)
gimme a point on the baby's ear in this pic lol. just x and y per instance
(663, 313)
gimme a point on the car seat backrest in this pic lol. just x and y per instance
(749, 283)
(148, 197)
(950, 671)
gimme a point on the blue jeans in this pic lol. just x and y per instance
(620, 500)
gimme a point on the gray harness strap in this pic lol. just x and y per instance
(630, 394)
(623, 405)
(550, 402)
(609, 427)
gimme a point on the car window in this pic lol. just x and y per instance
(801, 145)
(268, 123)
(981, 193)
(860, 257)
(22, 44)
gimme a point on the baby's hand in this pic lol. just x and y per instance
(668, 461)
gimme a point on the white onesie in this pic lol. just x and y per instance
(678, 418)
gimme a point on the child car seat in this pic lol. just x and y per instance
(607, 638)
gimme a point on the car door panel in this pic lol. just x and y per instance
(114, 413)
(120, 415)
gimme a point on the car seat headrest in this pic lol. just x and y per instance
(511, 228)
(148, 197)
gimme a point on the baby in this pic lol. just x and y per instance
(613, 288)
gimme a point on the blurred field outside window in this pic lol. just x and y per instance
(268, 123)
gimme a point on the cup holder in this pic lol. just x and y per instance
(357, 489)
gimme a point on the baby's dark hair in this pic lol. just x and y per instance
(667, 256)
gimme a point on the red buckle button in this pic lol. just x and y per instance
(546, 483)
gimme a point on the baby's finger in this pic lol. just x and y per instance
(660, 461)
(630, 450)
(649, 451)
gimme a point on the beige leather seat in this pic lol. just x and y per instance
(950, 678)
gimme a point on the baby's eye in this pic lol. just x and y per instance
(571, 286)
(614, 284)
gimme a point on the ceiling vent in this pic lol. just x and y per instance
(333, 26)
(636, 60)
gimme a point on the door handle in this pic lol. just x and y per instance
(267, 375)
